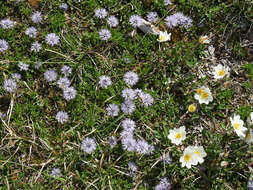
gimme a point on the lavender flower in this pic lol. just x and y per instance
(31, 32)
(167, 2)
(178, 19)
(69, 93)
(135, 20)
(36, 47)
(37, 65)
(112, 110)
(52, 39)
(171, 21)
(63, 83)
(100, 13)
(138, 92)
(112, 21)
(128, 125)
(3, 45)
(126, 134)
(63, 6)
(10, 85)
(88, 145)
(163, 185)
(131, 78)
(66, 70)
(36, 17)
(7, 23)
(128, 144)
(62, 117)
(152, 17)
(128, 107)
(56, 172)
(250, 185)
(105, 34)
(128, 94)
(146, 99)
(50, 75)
(166, 158)
(132, 166)
(112, 141)
(16, 76)
(22, 66)
(142, 147)
(105, 81)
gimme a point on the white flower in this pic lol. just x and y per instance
(249, 137)
(199, 153)
(220, 71)
(164, 36)
(203, 95)
(251, 118)
(237, 124)
(204, 40)
(177, 135)
(189, 157)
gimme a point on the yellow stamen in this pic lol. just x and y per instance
(192, 108)
(248, 136)
(204, 95)
(236, 126)
(199, 90)
(187, 157)
(178, 135)
(221, 73)
(197, 152)
(162, 38)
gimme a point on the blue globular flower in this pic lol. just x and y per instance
(131, 78)
(128, 94)
(135, 20)
(147, 99)
(152, 17)
(10, 85)
(50, 75)
(3, 45)
(31, 32)
(22, 66)
(142, 147)
(167, 2)
(7, 23)
(128, 143)
(36, 17)
(112, 110)
(101, 13)
(138, 92)
(64, 6)
(163, 185)
(171, 21)
(52, 39)
(178, 19)
(112, 141)
(36, 47)
(250, 185)
(112, 21)
(132, 166)
(16, 76)
(88, 145)
(127, 107)
(56, 172)
(66, 70)
(62, 117)
(63, 82)
(126, 134)
(69, 93)
(128, 125)
(105, 81)
(105, 34)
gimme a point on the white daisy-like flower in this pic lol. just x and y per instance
(164, 37)
(177, 135)
(237, 124)
(249, 137)
(203, 95)
(189, 157)
(220, 71)
(199, 153)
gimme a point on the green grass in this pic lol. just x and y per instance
(34, 142)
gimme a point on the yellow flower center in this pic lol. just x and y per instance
(248, 136)
(187, 157)
(197, 152)
(236, 125)
(178, 135)
(221, 73)
(192, 108)
(162, 38)
(204, 95)
(199, 90)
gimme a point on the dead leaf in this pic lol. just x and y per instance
(34, 3)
